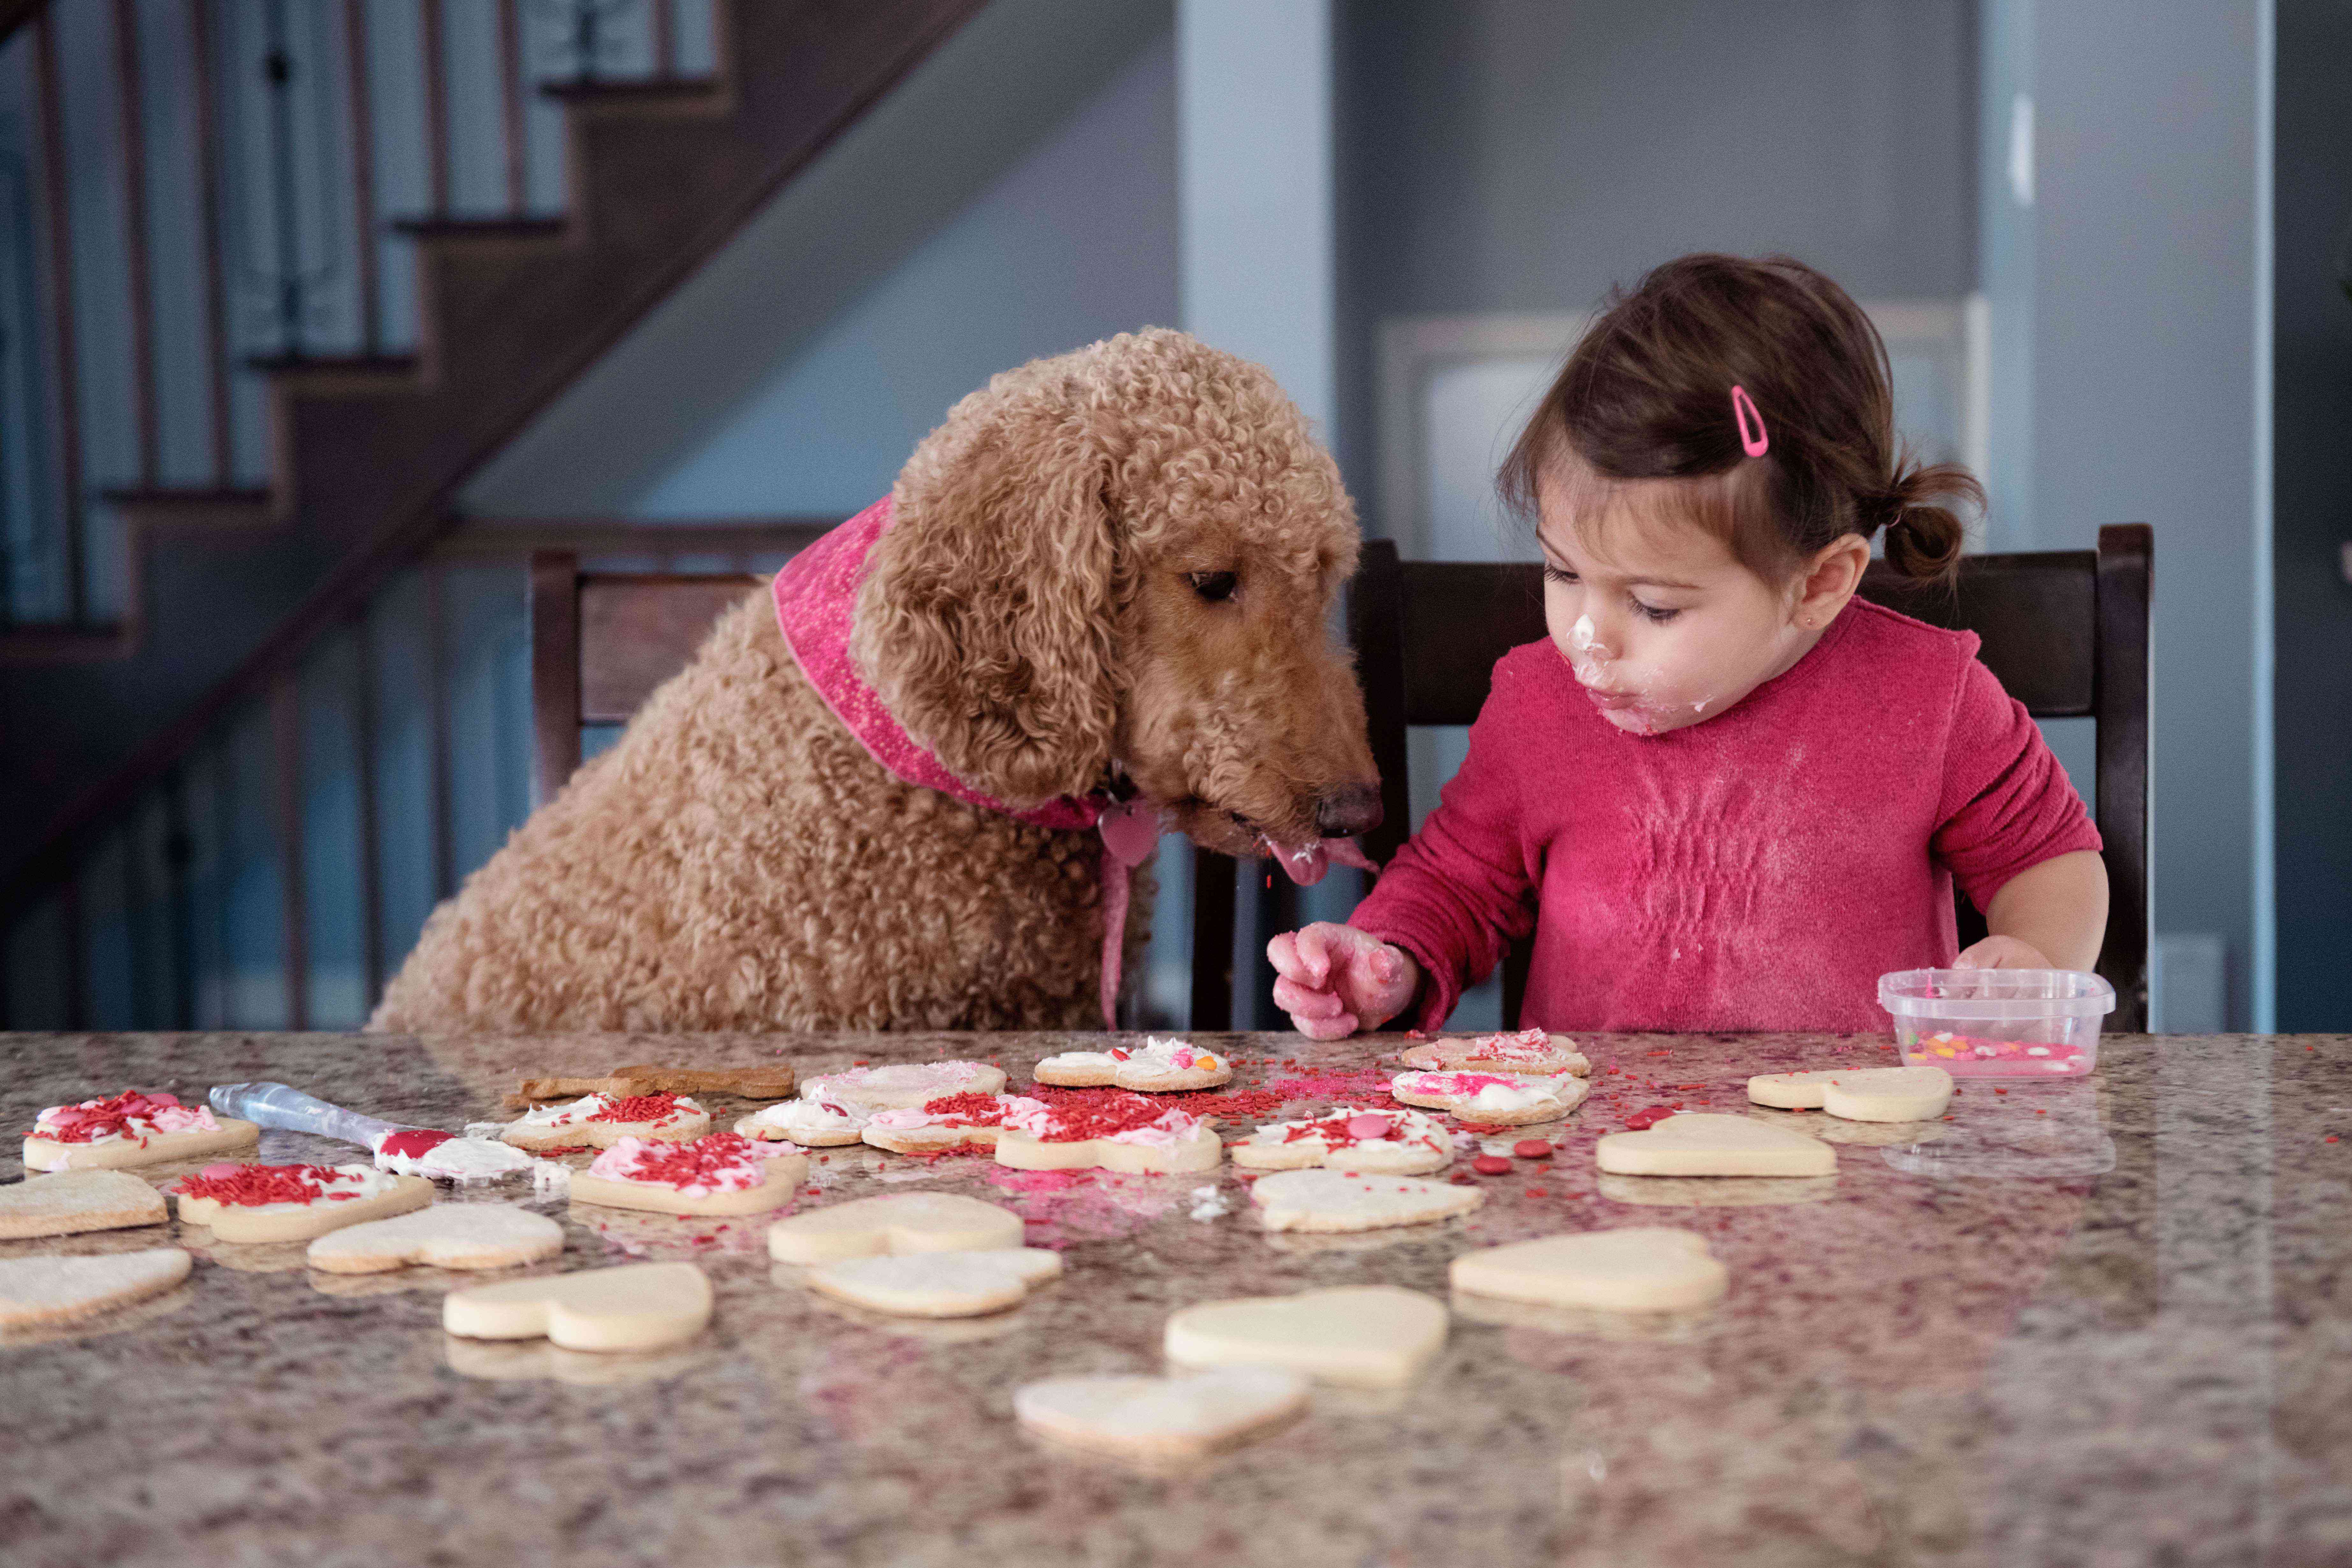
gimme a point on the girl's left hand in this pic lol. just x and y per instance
(2002, 952)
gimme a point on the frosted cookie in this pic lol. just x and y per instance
(1858, 1094)
(1393, 1142)
(131, 1129)
(636, 1307)
(1351, 1200)
(604, 1119)
(1492, 1099)
(1530, 1051)
(1111, 1129)
(35, 1291)
(75, 1200)
(447, 1236)
(1161, 1417)
(938, 1284)
(1639, 1268)
(446, 1157)
(895, 1224)
(719, 1174)
(935, 1127)
(1155, 1067)
(820, 1123)
(1700, 1145)
(292, 1203)
(905, 1084)
(1364, 1336)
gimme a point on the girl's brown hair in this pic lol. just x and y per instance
(1646, 394)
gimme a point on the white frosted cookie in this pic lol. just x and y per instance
(905, 1084)
(601, 1120)
(72, 1201)
(1112, 1130)
(1161, 1417)
(1354, 1200)
(937, 1126)
(1492, 1099)
(446, 1157)
(35, 1291)
(718, 1175)
(1155, 1067)
(1364, 1336)
(819, 1124)
(447, 1236)
(1394, 1143)
(938, 1284)
(1858, 1094)
(1638, 1268)
(249, 1204)
(896, 1222)
(1704, 1144)
(635, 1307)
(131, 1129)
(1531, 1051)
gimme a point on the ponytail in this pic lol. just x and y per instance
(1923, 540)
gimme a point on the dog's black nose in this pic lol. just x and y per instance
(1348, 810)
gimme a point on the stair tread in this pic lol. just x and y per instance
(657, 89)
(340, 365)
(37, 643)
(480, 227)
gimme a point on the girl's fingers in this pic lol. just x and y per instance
(1296, 999)
(1325, 1028)
(1315, 953)
(1282, 951)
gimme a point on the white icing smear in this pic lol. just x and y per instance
(933, 1080)
(1481, 1092)
(1351, 1124)
(1153, 1058)
(460, 1159)
(822, 1116)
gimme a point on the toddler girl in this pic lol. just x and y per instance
(1727, 794)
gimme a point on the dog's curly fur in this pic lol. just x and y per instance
(1047, 614)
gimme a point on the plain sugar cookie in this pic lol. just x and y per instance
(78, 1200)
(897, 1223)
(447, 1236)
(938, 1284)
(719, 1174)
(636, 1307)
(249, 1204)
(1858, 1094)
(1363, 1336)
(1638, 1268)
(1355, 1200)
(36, 1291)
(1161, 1417)
(1702, 1145)
(1155, 1067)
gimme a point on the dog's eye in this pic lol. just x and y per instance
(1211, 586)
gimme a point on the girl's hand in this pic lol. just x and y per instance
(2002, 952)
(1333, 979)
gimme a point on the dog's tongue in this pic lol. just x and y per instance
(1304, 865)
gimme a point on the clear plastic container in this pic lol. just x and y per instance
(1998, 1023)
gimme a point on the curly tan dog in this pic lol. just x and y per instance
(1110, 570)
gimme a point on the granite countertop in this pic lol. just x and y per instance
(2088, 1322)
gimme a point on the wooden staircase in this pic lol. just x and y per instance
(368, 451)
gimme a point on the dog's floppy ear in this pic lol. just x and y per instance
(986, 621)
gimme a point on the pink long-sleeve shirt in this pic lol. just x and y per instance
(1758, 871)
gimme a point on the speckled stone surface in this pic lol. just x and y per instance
(2103, 1321)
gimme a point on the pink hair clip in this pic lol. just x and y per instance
(1743, 409)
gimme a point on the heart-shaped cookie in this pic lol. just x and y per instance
(1639, 1268)
(1161, 1417)
(1493, 1099)
(37, 1290)
(718, 1175)
(447, 1236)
(1394, 1143)
(1155, 1067)
(1527, 1051)
(938, 1284)
(251, 1204)
(1858, 1094)
(897, 1223)
(1356, 1200)
(78, 1200)
(1364, 1336)
(636, 1307)
(1702, 1145)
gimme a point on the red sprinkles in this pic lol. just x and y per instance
(249, 1186)
(698, 1162)
(639, 1108)
(81, 1123)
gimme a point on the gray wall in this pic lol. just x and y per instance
(2313, 370)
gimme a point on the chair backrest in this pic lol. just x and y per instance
(2066, 631)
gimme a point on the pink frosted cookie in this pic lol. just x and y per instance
(1530, 1051)
(1155, 1067)
(604, 1119)
(823, 1122)
(1394, 1143)
(935, 1127)
(719, 1174)
(293, 1203)
(1057, 1129)
(1492, 1099)
(904, 1085)
(131, 1129)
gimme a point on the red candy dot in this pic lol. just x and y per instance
(1532, 1149)
(1491, 1165)
(1371, 1124)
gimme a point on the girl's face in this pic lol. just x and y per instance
(1662, 625)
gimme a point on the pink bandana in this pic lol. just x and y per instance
(817, 599)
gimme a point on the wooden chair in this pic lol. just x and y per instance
(2066, 631)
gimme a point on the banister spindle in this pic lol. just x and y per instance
(437, 105)
(663, 24)
(65, 379)
(209, 236)
(363, 721)
(285, 766)
(510, 116)
(355, 90)
(130, 101)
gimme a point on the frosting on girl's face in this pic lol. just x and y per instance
(1662, 625)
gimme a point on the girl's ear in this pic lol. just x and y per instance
(1831, 578)
(987, 618)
